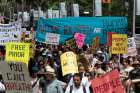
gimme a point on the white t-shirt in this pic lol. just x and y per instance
(94, 61)
(36, 88)
(2, 87)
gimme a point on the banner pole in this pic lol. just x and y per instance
(119, 61)
(134, 17)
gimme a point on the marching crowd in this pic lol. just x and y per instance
(46, 73)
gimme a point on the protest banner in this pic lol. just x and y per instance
(17, 52)
(95, 44)
(119, 44)
(10, 33)
(109, 83)
(16, 77)
(52, 38)
(92, 27)
(79, 38)
(69, 63)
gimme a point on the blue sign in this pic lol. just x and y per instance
(90, 26)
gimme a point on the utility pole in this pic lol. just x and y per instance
(71, 5)
(93, 7)
(134, 17)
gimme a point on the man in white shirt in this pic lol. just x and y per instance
(77, 86)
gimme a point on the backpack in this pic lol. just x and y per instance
(135, 73)
(71, 88)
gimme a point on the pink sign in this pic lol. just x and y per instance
(79, 38)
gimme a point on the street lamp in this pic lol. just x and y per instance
(86, 12)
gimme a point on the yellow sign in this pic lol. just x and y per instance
(17, 52)
(69, 63)
(119, 44)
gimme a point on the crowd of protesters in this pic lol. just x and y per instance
(46, 73)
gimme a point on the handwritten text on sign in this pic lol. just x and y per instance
(18, 52)
(52, 38)
(16, 77)
(109, 83)
(119, 44)
(69, 63)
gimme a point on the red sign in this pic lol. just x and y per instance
(109, 38)
(109, 83)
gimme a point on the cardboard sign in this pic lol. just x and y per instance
(17, 52)
(69, 63)
(95, 44)
(119, 44)
(10, 33)
(16, 77)
(131, 43)
(79, 39)
(109, 83)
(52, 39)
(71, 42)
(132, 51)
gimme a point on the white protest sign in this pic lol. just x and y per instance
(132, 51)
(52, 38)
(16, 77)
(131, 43)
(10, 33)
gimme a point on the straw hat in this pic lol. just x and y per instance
(49, 70)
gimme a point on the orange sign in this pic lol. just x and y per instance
(107, 1)
(109, 83)
(95, 44)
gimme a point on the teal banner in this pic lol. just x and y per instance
(89, 26)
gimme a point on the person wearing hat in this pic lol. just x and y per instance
(35, 80)
(49, 84)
